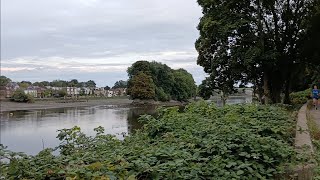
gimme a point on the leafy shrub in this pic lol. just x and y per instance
(300, 97)
(20, 96)
(203, 142)
(62, 93)
(161, 95)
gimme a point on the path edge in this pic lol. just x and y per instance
(303, 144)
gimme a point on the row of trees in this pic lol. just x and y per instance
(272, 44)
(61, 83)
(153, 80)
(118, 84)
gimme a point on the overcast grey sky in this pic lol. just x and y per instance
(95, 39)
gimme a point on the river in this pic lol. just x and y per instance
(30, 131)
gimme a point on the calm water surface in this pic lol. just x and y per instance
(28, 131)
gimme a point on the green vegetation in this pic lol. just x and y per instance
(4, 80)
(169, 84)
(62, 93)
(62, 83)
(142, 87)
(203, 142)
(120, 84)
(20, 96)
(300, 97)
(271, 44)
(315, 134)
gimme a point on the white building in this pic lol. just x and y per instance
(110, 93)
(31, 91)
(73, 91)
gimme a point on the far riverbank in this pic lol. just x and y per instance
(52, 104)
(14, 106)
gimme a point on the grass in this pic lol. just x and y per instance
(315, 134)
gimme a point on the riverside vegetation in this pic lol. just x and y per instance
(202, 142)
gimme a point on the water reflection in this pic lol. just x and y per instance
(24, 131)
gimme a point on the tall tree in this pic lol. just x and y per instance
(169, 83)
(142, 87)
(38, 84)
(73, 83)
(4, 80)
(184, 86)
(120, 84)
(59, 83)
(24, 84)
(90, 84)
(256, 41)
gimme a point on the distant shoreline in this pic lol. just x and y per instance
(14, 106)
(54, 104)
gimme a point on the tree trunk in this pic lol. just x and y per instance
(287, 89)
(224, 99)
(275, 95)
(266, 90)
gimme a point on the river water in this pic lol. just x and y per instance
(31, 131)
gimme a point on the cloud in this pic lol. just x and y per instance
(47, 38)
(117, 64)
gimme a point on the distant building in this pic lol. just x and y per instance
(55, 88)
(120, 91)
(100, 92)
(8, 90)
(73, 91)
(85, 91)
(117, 92)
(31, 90)
(40, 91)
(110, 93)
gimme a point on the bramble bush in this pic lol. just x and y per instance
(301, 97)
(20, 96)
(202, 142)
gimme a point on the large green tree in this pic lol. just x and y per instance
(184, 86)
(256, 41)
(4, 80)
(169, 83)
(142, 87)
(90, 84)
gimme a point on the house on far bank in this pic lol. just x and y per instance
(110, 93)
(100, 92)
(40, 91)
(120, 91)
(86, 91)
(32, 91)
(8, 90)
(3, 92)
(117, 92)
(73, 91)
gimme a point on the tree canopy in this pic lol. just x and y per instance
(142, 87)
(4, 80)
(120, 84)
(169, 84)
(262, 42)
